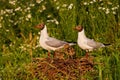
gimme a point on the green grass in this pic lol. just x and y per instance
(19, 37)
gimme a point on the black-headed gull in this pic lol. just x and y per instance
(86, 43)
(50, 43)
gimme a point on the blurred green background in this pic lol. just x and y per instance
(19, 38)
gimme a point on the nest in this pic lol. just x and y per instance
(58, 67)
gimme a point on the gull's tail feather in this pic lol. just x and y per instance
(107, 44)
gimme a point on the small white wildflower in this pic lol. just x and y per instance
(1, 18)
(38, 36)
(99, 7)
(27, 19)
(55, 0)
(110, 3)
(7, 30)
(91, 2)
(21, 47)
(16, 23)
(101, 4)
(29, 16)
(85, 3)
(10, 20)
(21, 18)
(2, 12)
(114, 12)
(0, 25)
(37, 46)
(56, 22)
(11, 44)
(113, 8)
(70, 6)
(43, 7)
(49, 16)
(50, 20)
(64, 5)
(38, 33)
(40, 11)
(32, 5)
(13, 2)
(28, 8)
(13, 14)
(107, 11)
(6, 15)
(58, 7)
(38, 1)
(103, 8)
(18, 9)
(118, 6)
(94, 0)
(9, 10)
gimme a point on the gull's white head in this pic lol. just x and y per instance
(40, 26)
(79, 28)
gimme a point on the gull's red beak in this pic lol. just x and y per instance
(40, 26)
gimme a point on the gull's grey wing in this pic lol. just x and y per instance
(94, 44)
(54, 42)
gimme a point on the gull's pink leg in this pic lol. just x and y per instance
(48, 54)
(87, 54)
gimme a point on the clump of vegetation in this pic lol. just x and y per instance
(61, 68)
